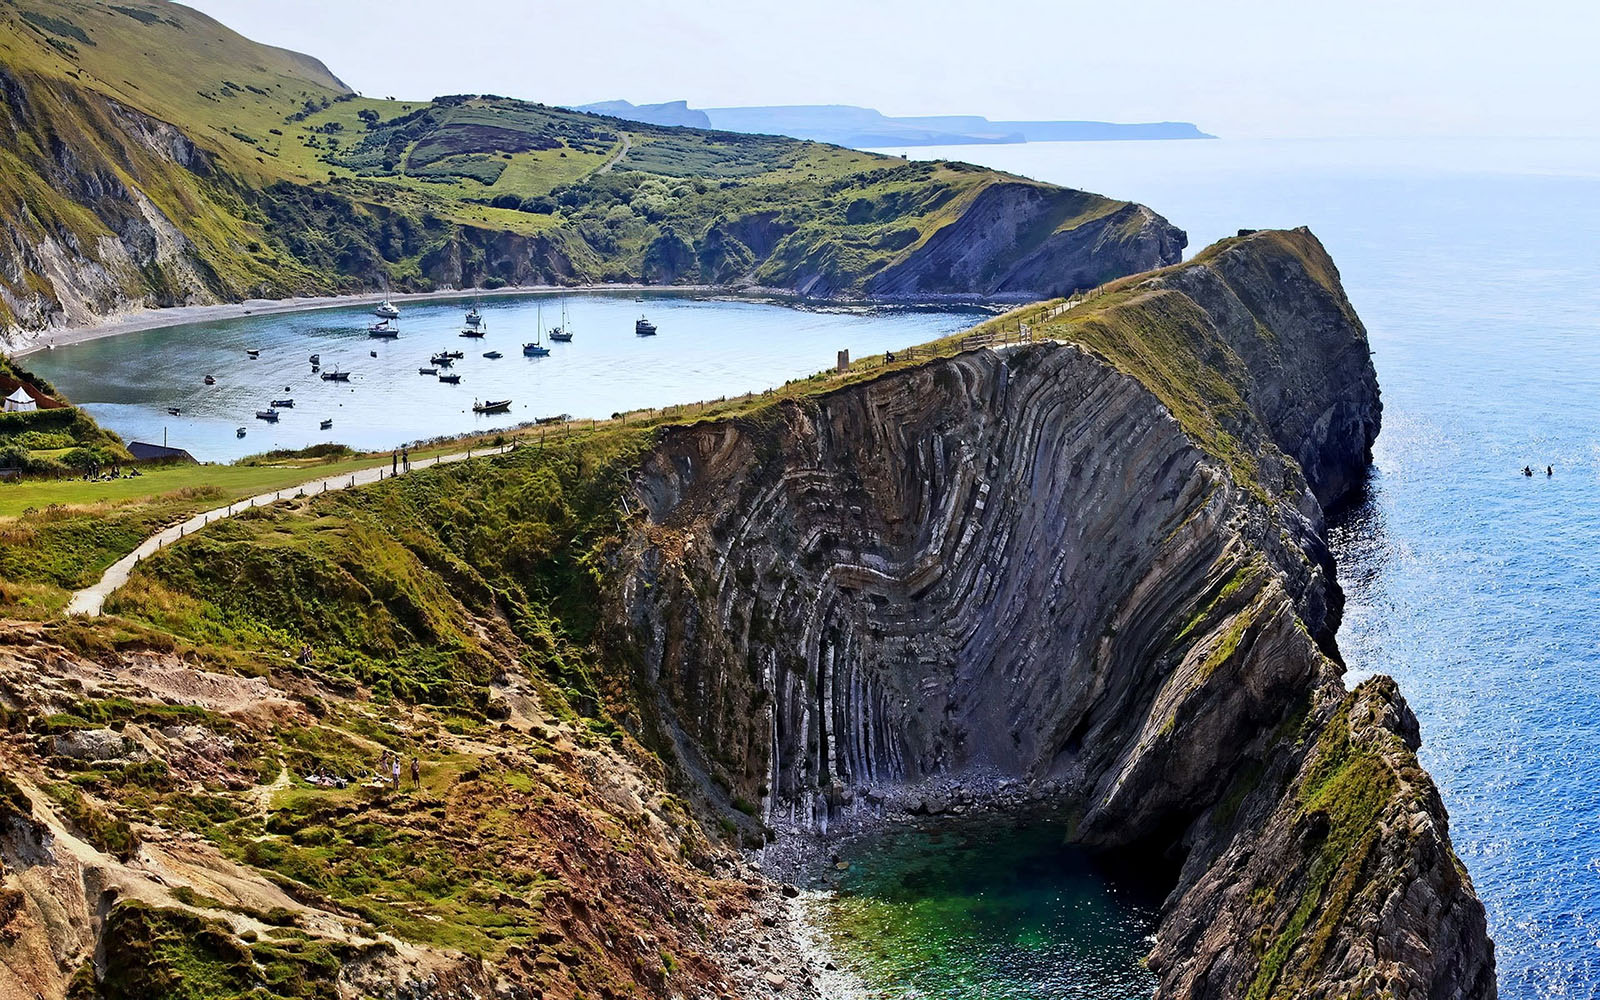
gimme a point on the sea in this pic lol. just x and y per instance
(1475, 264)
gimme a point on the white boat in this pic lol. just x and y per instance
(268, 415)
(474, 317)
(644, 328)
(562, 334)
(386, 309)
(537, 348)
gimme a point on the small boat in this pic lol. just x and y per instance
(474, 317)
(472, 331)
(493, 355)
(492, 406)
(452, 379)
(253, 353)
(372, 354)
(336, 376)
(384, 329)
(174, 410)
(286, 404)
(316, 359)
(441, 362)
(427, 371)
(315, 369)
(537, 348)
(386, 309)
(211, 380)
(644, 328)
(458, 355)
(268, 415)
(239, 433)
(327, 423)
(562, 334)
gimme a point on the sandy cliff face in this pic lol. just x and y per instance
(1060, 566)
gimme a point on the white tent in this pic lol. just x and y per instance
(20, 401)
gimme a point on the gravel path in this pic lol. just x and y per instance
(90, 600)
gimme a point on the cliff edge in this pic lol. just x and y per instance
(1096, 565)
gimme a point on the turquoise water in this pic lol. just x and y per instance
(705, 348)
(984, 910)
(1476, 267)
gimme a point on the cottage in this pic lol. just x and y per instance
(20, 402)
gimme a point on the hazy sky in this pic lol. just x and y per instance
(1234, 67)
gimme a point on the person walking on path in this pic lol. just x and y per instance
(394, 463)
(416, 773)
(405, 458)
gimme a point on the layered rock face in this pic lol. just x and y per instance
(1059, 564)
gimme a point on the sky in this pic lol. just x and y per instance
(1239, 68)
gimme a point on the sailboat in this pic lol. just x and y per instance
(563, 333)
(474, 317)
(386, 309)
(537, 348)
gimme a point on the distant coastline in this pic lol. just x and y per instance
(865, 128)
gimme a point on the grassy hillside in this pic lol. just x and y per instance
(151, 156)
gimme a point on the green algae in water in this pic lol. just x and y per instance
(989, 911)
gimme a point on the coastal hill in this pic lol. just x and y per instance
(1088, 573)
(865, 128)
(149, 156)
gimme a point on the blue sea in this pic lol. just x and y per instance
(1475, 265)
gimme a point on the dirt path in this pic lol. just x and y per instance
(605, 168)
(90, 600)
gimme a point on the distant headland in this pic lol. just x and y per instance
(846, 125)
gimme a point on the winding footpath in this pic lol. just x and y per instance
(91, 600)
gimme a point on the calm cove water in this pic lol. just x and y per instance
(1476, 267)
(705, 348)
(984, 911)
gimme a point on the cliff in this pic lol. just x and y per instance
(1095, 565)
(1088, 572)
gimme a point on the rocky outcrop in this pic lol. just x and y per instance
(1095, 566)
(995, 249)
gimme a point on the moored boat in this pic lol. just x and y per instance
(427, 371)
(327, 423)
(535, 350)
(474, 317)
(174, 410)
(644, 328)
(268, 415)
(473, 331)
(253, 352)
(384, 329)
(316, 359)
(283, 404)
(492, 406)
(211, 380)
(239, 432)
(562, 334)
(493, 355)
(452, 379)
(336, 376)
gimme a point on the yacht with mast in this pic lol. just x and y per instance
(537, 348)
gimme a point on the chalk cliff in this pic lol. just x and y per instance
(1096, 566)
